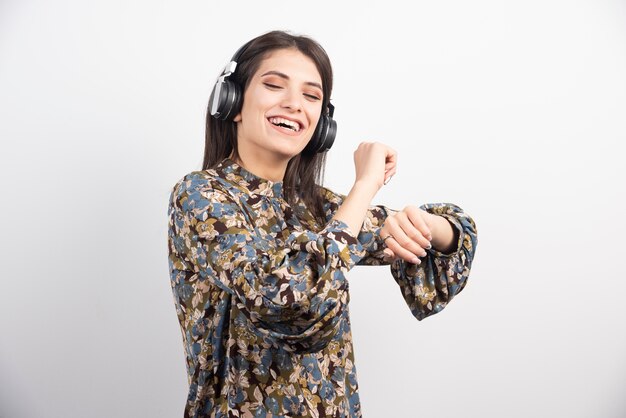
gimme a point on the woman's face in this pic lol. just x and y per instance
(281, 106)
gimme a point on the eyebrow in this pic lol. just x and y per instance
(286, 77)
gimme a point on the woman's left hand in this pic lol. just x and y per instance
(407, 234)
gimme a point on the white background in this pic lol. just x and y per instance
(514, 111)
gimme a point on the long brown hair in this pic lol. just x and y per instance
(305, 171)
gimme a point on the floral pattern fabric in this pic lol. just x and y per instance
(261, 293)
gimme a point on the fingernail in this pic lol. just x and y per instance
(429, 246)
(387, 181)
(416, 261)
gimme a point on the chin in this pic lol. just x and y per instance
(291, 149)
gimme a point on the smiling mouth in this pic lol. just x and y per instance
(285, 123)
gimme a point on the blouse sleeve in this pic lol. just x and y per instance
(368, 236)
(293, 293)
(427, 287)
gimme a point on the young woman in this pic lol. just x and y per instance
(258, 251)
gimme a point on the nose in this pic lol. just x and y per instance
(292, 100)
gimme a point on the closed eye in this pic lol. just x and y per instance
(312, 97)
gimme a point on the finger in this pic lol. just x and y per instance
(389, 260)
(388, 252)
(388, 255)
(410, 238)
(390, 162)
(389, 175)
(401, 252)
(416, 217)
(391, 156)
(410, 251)
(390, 167)
(417, 237)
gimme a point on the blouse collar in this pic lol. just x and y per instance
(250, 183)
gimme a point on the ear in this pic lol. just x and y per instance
(237, 117)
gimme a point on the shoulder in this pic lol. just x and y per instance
(199, 189)
(196, 181)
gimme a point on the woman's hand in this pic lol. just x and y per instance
(407, 234)
(374, 163)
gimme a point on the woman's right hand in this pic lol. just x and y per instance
(374, 163)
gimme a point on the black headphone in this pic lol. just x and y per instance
(227, 97)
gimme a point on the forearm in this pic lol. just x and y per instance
(354, 207)
(445, 236)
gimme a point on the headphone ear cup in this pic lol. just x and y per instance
(324, 135)
(330, 133)
(228, 100)
(315, 141)
(232, 101)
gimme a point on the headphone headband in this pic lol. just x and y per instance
(240, 52)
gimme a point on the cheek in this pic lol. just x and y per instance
(314, 112)
(315, 119)
(260, 96)
(252, 102)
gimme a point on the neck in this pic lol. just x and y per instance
(268, 167)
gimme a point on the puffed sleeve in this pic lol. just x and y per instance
(428, 287)
(294, 293)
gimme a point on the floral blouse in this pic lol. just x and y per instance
(261, 293)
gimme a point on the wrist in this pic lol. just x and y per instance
(443, 234)
(368, 188)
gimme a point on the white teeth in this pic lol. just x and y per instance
(291, 124)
